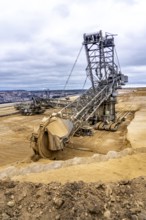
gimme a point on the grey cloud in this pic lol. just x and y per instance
(129, 2)
(62, 10)
(40, 73)
(15, 32)
(137, 56)
(36, 55)
(134, 52)
(21, 28)
(136, 74)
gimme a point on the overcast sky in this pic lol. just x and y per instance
(40, 39)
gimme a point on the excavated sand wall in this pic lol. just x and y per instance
(136, 134)
(12, 171)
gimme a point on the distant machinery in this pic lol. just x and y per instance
(95, 107)
(30, 108)
(38, 105)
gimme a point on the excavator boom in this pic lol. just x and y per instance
(96, 105)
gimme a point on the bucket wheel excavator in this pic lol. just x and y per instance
(95, 107)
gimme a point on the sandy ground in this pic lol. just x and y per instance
(137, 129)
(128, 167)
(15, 133)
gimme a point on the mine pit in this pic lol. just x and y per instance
(111, 164)
(89, 151)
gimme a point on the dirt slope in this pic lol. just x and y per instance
(73, 201)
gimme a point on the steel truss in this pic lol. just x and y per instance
(105, 79)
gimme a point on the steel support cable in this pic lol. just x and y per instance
(82, 90)
(72, 69)
(84, 83)
(117, 59)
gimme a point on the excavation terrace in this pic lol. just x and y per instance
(109, 164)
